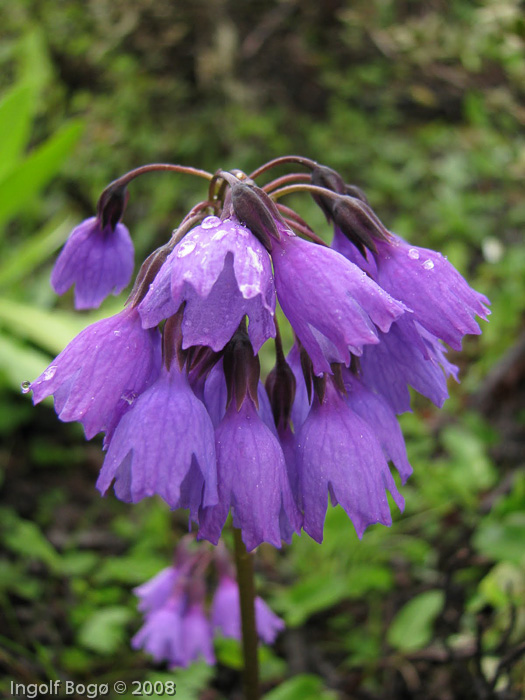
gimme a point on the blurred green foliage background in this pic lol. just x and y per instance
(421, 105)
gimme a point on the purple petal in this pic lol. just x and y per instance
(155, 593)
(222, 273)
(97, 261)
(164, 445)
(425, 281)
(333, 306)
(162, 636)
(245, 445)
(268, 623)
(342, 245)
(101, 371)
(338, 453)
(226, 614)
(407, 356)
(197, 635)
(380, 418)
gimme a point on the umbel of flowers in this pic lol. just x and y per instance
(179, 626)
(173, 380)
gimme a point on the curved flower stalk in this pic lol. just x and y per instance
(97, 259)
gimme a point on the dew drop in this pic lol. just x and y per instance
(50, 373)
(117, 333)
(26, 387)
(185, 248)
(210, 222)
(129, 397)
(428, 265)
(219, 235)
(413, 254)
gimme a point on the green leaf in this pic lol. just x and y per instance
(412, 627)
(16, 112)
(51, 330)
(311, 595)
(25, 539)
(104, 631)
(22, 260)
(19, 186)
(503, 540)
(302, 687)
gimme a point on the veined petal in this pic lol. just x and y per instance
(164, 445)
(252, 480)
(222, 273)
(101, 371)
(427, 283)
(97, 261)
(339, 454)
(333, 306)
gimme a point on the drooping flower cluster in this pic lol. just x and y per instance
(179, 626)
(174, 381)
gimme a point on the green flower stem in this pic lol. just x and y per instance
(244, 566)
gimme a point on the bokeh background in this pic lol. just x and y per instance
(421, 105)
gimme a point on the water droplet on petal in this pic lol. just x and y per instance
(428, 265)
(117, 333)
(210, 222)
(26, 387)
(220, 234)
(50, 373)
(185, 248)
(413, 254)
(129, 397)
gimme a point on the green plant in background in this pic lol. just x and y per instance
(428, 112)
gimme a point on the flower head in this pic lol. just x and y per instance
(442, 301)
(164, 445)
(339, 455)
(222, 273)
(252, 480)
(333, 307)
(97, 259)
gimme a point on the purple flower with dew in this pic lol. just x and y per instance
(339, 454)
(97, 260)
(225, 613)
(247, 448)
(101, 372)
(222, 273)
(442, 301)
(333, 307)
(164, 445)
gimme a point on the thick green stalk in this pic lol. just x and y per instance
(244, 565)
